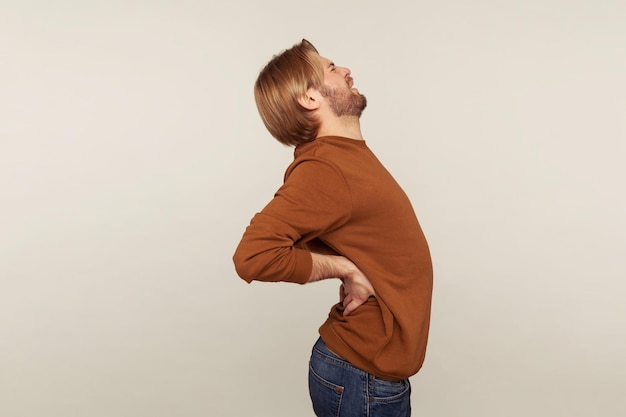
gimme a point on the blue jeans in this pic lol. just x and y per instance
(338, 389)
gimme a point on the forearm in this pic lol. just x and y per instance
(330, 266)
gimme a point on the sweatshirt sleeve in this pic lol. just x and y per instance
(313, 200)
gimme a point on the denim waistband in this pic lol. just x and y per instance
(321, 350)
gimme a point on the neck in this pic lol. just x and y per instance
(346, 126)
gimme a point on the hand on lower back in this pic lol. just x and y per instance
(355, 291)
(356, 288)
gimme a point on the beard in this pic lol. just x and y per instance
(344, 102)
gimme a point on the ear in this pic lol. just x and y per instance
(310, 100)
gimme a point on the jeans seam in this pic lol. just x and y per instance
(338, 361)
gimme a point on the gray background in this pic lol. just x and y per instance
(132, 158)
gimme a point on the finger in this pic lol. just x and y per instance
(347, 300)
(352, 305)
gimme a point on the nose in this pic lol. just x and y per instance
(346, 71)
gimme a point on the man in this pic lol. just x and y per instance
(340, 214)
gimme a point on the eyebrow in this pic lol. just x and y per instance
(331, 64)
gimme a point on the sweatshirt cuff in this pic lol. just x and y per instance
(303, 268)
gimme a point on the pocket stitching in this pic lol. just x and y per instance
(338, 388)
(407, 388)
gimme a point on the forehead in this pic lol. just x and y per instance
(324, 62)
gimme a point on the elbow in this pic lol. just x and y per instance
(244, 266)
(275, 265)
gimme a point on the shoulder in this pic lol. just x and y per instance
(315, 169)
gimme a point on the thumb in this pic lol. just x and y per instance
(352, 305)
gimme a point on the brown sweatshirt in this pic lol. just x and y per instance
(337, 198)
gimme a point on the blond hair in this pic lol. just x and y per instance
(284, 80)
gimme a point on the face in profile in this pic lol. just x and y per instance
(339, 91)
